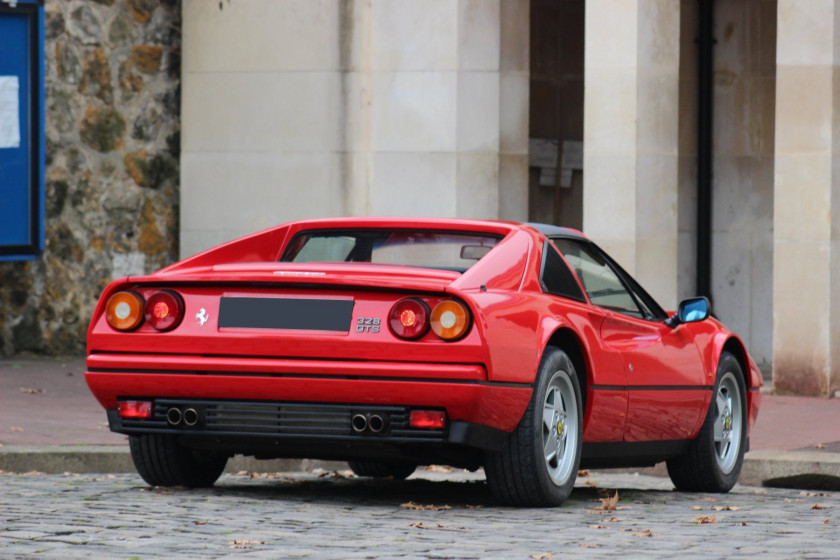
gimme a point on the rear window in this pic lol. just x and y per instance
(427, 249)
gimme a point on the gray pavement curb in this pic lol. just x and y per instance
(55, 459)
(791, 469)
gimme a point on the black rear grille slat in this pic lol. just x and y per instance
(282, 420)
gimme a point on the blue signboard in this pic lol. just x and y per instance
(21, 129)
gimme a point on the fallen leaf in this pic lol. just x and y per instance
(597, 526)
(16, 429)
(468, 506)
(647, 533)
(546, 556)
(743, 523)
(697, 508)
(726, 508)
(418, 507)
(703, 519)
(827, 522)
(590, 483)
(438, 468)
(583, 474)
(31, 390)
(589, 545)
(417, 524)
(708, 499)
(609, 503)
(612, 520)
(200, 522)
(818, 506)
(820, 446)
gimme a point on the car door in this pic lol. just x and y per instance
(663, 369)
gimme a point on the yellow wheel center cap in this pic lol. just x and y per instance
(559, 428)
(728, 424)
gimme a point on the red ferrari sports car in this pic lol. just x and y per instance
(392, 343)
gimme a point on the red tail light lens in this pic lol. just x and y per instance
(427, 419)
(164, 310)
(409, 318)
(134, 409)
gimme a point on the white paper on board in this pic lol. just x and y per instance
(9, 109)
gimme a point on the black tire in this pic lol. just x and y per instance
(522, 474)
(381, 469)
(161, 461)
(709, 465)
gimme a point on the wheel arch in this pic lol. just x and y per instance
(734, 345)
(752, 378)
(568, 341)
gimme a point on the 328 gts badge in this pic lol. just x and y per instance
(367, 324)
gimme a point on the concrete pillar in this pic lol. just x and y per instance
(806, 244)
(312, 108)
(631, 107)
(436, 102)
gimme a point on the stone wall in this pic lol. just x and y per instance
(112, 128)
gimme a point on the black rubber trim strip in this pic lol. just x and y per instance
(316, 376)
(754, 389)
(652, 387)
(477, 435)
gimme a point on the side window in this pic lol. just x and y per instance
(556, 278)
(602, 284)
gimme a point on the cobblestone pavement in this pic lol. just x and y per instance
(435, 515)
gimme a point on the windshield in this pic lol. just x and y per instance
(427, 249)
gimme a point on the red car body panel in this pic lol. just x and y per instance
(645, 381)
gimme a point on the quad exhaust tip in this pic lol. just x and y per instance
(190, 417)
(368, 423)
(174, 416)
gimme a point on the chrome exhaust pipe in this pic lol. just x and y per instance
(190, 417)
(359, 423)
(376, 423)
(173, 416)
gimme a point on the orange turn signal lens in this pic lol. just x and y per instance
(124, 310)
(450, 320)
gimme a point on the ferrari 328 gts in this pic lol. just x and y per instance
(391, 343)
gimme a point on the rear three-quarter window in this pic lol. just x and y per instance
(556, 277)
(428, 249)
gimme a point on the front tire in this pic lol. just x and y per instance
(161, 461)
(713, 461)
(539, 462)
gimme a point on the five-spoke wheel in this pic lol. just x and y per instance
(538, 464)
(712, 462)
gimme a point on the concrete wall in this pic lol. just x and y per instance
(806, 291)
(310, 108)
(112, 125)
(743, 164)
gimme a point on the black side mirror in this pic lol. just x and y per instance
(690, 311)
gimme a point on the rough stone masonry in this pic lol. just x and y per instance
(112, 132)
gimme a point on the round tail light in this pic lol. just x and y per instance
(164, 310)
(409, 318)
(124, 310)
(450, 320)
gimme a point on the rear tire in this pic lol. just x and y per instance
(539, 462)
(381, 469)
(712, 462)
(161, 461)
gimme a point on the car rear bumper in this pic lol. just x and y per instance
(459, 389)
